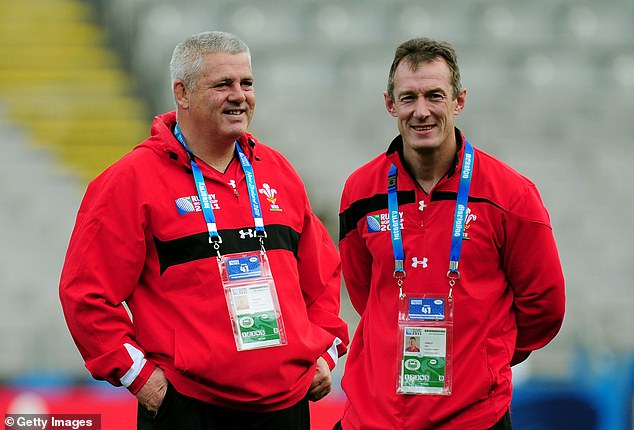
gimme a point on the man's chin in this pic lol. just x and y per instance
(420, 145)
(235, 134)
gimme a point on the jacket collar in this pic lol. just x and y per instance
(395, 152)
(162, 132)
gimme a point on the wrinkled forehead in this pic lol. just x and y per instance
(224, 64)
(435, 74)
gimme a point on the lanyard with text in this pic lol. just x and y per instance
(458, 225)
(246, 277)
(205, 202)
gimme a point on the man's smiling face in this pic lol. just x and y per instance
(424, 105)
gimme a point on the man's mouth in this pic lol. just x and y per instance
(422, 127)
(234, 111)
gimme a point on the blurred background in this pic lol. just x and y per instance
(550, 91)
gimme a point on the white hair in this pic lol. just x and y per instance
(187, 58)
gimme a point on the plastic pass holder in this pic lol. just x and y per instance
(252, 300)
(425, 345)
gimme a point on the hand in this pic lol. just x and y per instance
(151, 394)
(322, 383)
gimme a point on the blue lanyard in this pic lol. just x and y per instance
(460, 214)
(458, 225)
(395, 224)
(205, 201)
(256, 208)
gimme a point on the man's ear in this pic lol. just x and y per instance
(181, 94)
(389, 104)
(460, 101)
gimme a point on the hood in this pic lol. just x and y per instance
(162, 139)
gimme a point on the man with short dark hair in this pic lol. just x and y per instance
(490, 289)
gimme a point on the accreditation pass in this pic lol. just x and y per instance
(254, 310)
(424, 359)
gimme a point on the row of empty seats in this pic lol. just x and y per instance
(66, 112)
(550, 87)
(60, 82)
(277, 21)
(37, 209)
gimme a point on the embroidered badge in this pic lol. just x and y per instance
(189, 204)
(380, 222)
(186, 205)
(270, 194)
(247, 233)
(416, 262)
(467, 224)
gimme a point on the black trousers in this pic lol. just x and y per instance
(503, 424)
(179, 412)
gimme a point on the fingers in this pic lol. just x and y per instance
(321, 387)
(319, 392)
(322, 382)
(151, 395)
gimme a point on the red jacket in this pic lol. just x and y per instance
(509, 300)
(140, 238)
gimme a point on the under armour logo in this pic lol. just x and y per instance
(421, 205)
(416, 262)
(246, 233)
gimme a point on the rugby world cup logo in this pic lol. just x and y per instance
(382, 222)
(187, 204)
(374, 223)
(270, 194)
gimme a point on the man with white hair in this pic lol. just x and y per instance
(197, 275)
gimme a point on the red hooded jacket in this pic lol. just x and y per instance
(508, 301)
(140, 239)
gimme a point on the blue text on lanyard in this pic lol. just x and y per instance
(395, 223)
(203, 195)
(460, 214)
(459, 217)
(256, 208)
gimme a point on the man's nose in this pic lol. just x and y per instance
(237, 93)
(421, 110)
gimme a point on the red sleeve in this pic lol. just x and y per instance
(320, 279)
(533, 268)
(102, 266)
(356, 260)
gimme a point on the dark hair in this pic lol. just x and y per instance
(423, 50)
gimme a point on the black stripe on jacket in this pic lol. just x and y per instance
(349, 218)
(197, 246)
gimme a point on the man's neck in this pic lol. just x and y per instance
(215, 153)
(429, 167)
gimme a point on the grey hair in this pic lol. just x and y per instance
(187, 58)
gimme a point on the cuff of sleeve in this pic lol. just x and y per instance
(332, 354)
(142, 377)
(331, 364)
